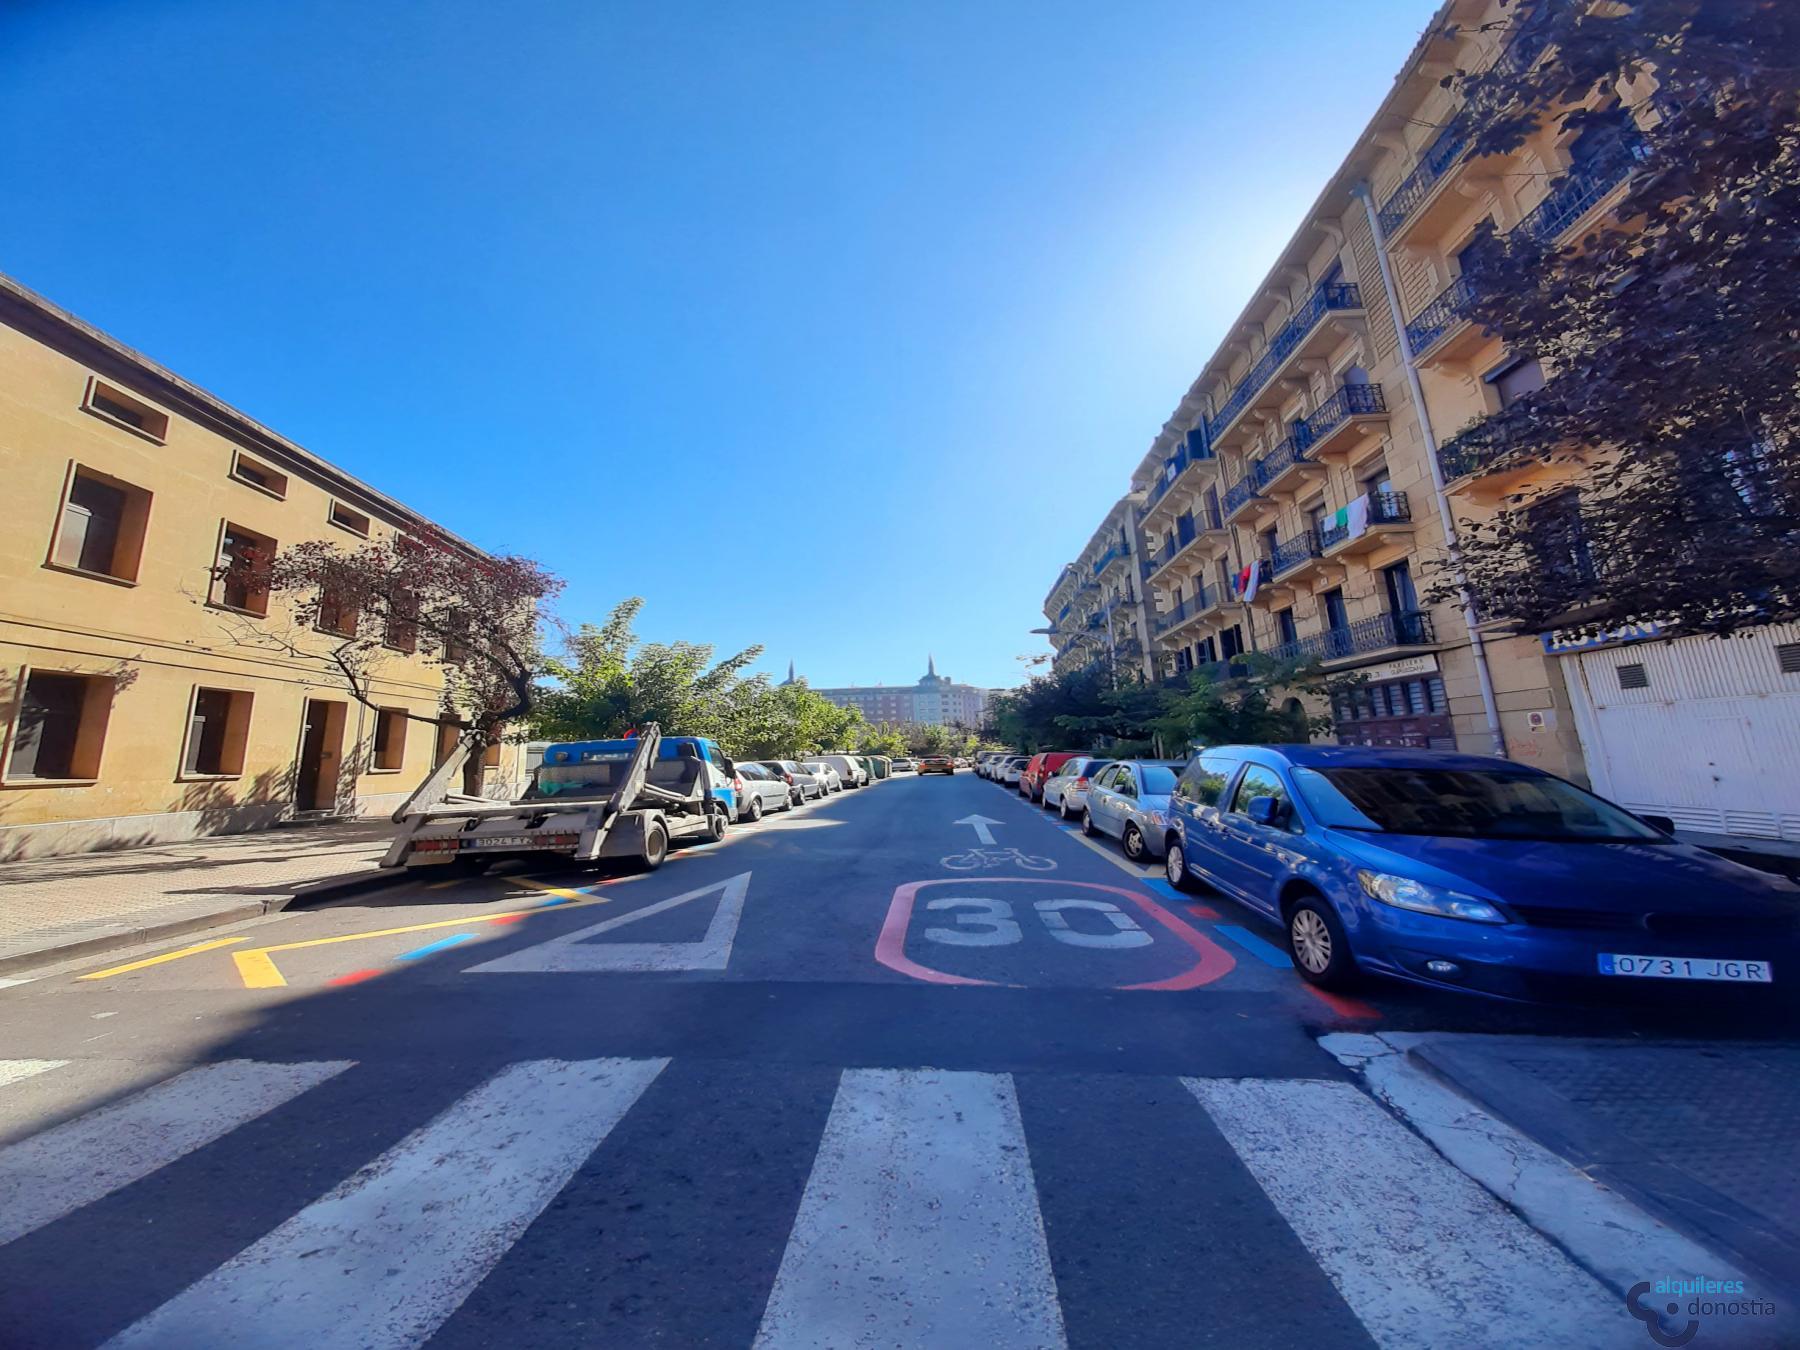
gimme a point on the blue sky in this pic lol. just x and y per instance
(840, 286)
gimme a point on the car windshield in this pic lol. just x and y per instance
(1464, 803)
(1159, 779)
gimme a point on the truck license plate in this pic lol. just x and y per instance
(1686, 968)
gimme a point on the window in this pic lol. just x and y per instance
(60, 727)
(1337, 618)
(258, 475)
(218, 729)
(1402, 597)
(390, 739)
(401, 631)
(101, 529)
(490, 757)
(1513, 381)
(1284, 626)
(112, 404)
(1559, 537)
(337, 614)
(238, 578)
(346, 519)
(1257, 782)
(448, 734)
(1231, 642)
(1376, 479)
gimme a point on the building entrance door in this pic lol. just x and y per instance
(321, 744)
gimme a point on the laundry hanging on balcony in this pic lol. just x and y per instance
(1350, 521)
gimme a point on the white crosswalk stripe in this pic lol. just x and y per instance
(54, 1173)
(387, 1256)
(920, 1222)
(1423, 1255)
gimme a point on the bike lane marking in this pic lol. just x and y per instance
(890, 947)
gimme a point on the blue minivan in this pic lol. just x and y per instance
(1469, 872)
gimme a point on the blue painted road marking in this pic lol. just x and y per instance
(437, 946)
(1164, 889)
(1267, 953)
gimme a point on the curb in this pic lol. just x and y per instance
(307, 896)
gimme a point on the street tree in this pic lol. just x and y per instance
(1668, 333)
(476, 618)
(882, 738)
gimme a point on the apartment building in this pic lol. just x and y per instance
(138, 701)
(1304, 494)
(934, 700)
(1099, 608)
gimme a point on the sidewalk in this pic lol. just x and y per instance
(52, 909)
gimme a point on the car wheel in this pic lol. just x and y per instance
(1062, 808)
(656, 848)
(1134, 843)
(790, 803)
(1176, 869)
(715, 825)
(1087, 822)
(756, 810)
(1317, 942)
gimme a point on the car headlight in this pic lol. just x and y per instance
(1405, 893)
(1160, 819)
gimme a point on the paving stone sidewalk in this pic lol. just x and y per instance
(1704, 1135)
(55, 908)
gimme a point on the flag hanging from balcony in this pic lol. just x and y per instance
(1249, 579)
(1352, 520)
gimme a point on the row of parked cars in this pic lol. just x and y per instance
(1445, 869)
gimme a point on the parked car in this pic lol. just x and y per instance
(1471, 873)
(1129, 801)
(828, 777)
(1041, 766)
(1010, 769)
(763, 791)
(851, 770)
(802, 785)
(987, 761)
(1066, 789)
(905, 765)
(937, 764)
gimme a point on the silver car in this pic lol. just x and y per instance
(1129, 800)
(763, 791)
(803, 785)
(1065, 791)
(827, 777)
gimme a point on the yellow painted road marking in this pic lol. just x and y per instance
(258, 970)
(166, 956)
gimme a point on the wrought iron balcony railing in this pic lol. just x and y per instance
(1444, 312)
(1385, 508)
(1350, 400)
(1240, 492)
(1324, 298)
(1360, 638)
(1189, 454)
(1437, 161)
(1191, 608)
(1577, 191)
(1290, 553)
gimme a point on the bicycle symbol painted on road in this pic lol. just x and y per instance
(996, 857)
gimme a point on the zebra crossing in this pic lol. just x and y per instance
(648, 1201)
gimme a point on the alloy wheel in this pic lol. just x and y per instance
(1311, 940)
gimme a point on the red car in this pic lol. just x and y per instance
(1037, 773)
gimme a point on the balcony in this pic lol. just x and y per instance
(1196, 606)
(1365, 637)
(1189, 529)
(1291, 553)
(1288, 466)
(1112, 555)
(1325, 298)
(1437, 161)
(1577, 192)
(1447, 312)
(1337, 423)
(1194, 452)
(1389, 516)
(1241, 493)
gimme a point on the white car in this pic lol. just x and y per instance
(849, 769)
(1012, 770)
(906, 766)
(763, 791)
(829, 781)
(1065, 791)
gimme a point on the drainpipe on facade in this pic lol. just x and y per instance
(1477, 647)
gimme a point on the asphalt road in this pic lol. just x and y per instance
(850, 1078)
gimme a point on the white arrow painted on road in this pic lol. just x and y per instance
(982, 834)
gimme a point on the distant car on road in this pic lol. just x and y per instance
(1042, 765)
(828, 778)
(1471, 873)
(1066, 789)
(1129, 801)
(802, 785)
(937, 764)
(763, 791)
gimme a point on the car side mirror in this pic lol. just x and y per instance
(1664, 823)
(1268, 811)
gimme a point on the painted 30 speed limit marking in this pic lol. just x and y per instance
(991, 912)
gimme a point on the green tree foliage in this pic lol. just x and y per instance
(883, 738)
(608, 682)
(1669, 331)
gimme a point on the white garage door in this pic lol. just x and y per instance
(1703, 730)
